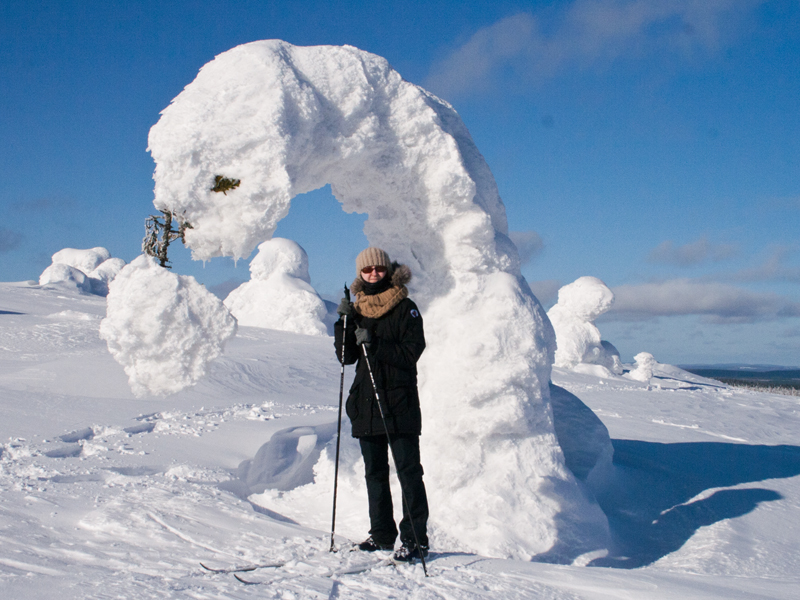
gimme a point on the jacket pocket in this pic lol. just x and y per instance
(351, 406)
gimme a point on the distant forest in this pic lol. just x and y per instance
(773, 381)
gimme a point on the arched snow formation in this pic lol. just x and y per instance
(287, 120)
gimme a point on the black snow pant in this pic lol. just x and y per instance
(405, 448)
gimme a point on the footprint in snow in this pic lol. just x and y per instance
(146, 427)
(136, 471)
(76, 436)
(69, 451)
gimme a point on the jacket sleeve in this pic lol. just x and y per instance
(405, 352)
(351, 350)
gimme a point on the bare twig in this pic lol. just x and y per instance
(158, 235)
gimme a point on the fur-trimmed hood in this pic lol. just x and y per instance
(401, 275)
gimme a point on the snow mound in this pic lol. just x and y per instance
(311, 503)
(85, 260)
(163, 328)
(286, 120)
(287, 460)
(645, 363)
(105, 273)
(88, 271)
(279, 294)
(578, 339)
(66, 276)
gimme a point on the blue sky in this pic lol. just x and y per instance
(654, 144)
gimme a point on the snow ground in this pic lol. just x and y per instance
(103, 495)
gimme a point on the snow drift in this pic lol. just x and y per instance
(163, 328)
(88, 271)
(279, 294)
(577, 337)
(286, 120)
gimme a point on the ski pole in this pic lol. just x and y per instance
(389, 441)
(339, 425)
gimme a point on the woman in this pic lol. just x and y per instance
(388, 324)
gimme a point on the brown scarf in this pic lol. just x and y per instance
(378, 305)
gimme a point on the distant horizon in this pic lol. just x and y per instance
(755, 366)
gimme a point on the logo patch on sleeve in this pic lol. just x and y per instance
(414, 313)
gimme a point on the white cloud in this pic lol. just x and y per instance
(774, 268)
(693, 253)
(471, 65)
(717, 302)
(529, 244)
(584, 33)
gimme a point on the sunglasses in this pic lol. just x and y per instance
(368, 270)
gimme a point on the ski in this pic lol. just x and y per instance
(242, 568)
(246, 582)
(253, 567)
(355, 570)
(386, 562)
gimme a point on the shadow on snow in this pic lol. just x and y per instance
(652, 503)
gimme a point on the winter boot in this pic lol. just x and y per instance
(409, 552)
(370, 545)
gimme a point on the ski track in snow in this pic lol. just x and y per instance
(107, 496)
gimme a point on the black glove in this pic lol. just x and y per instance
(345, 308)
(363, 336)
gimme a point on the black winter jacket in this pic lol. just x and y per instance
(397, 343)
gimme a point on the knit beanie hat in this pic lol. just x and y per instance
(373, 257)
